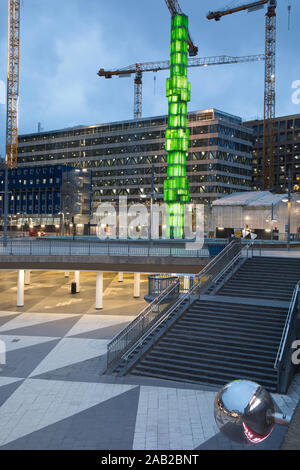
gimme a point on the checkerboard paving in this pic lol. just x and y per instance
(53, 394)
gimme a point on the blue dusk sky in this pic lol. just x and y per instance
(65, 42)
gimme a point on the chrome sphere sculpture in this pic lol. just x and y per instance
(245, 412)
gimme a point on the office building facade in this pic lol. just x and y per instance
(286, 152)
(128, 158)
(42, 195)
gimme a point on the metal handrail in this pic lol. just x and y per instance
(149, 309)
(287, 326)
(217, 257)
(121, 336)
(161, 320)
(180, 301)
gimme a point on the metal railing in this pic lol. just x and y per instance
(156, 312)
(219, 265)
(81, 248)
(163, 318)
(289, 326)
(132, 332)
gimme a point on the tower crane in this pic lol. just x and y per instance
(174, 9)
(12, 83)
(139, 68)
(269, 91)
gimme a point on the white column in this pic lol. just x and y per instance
(27, 277)
(120, 279)
(66, 273)
(186, 282)
(20, 291)
(77, 280)
(136, 288)
(99, 290)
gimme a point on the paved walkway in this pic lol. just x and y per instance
(53, 394)
(292, 438)
(50, 292)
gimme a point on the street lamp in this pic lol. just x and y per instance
(62, 223)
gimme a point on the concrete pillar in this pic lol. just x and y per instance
(67, 273)
(186, 282)
(77, 280)
(99, 290)
(136, 288)
(120, 279)
(27, 278)
(20, 290)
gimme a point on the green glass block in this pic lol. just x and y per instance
(179, 46)
(179, 33)
(178, 58)
(176, 170)
(178, 21)
(176, 158)
(178, 69)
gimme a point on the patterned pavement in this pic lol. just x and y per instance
(53, 394)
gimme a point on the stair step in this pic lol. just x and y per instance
(248, 315)
(226, 376)
(254, 341)
(239, 293)
(211, 351)
(199, 345)
(237, 307)
(205, 380)
(227, 321)
(222, 329)
(172, 355)
(193, 329)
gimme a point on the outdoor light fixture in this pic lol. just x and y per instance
(176, 185)
(285, 199)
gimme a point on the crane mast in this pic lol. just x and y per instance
(269, 89)
(12, 83)
(269, 101)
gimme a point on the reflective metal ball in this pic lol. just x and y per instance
(244, 412)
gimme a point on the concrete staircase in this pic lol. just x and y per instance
(234, 332)
(264, 278)
(216, 342)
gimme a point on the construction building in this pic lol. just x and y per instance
(128, 158)
(286, 150)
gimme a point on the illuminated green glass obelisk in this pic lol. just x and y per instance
(176, 185)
